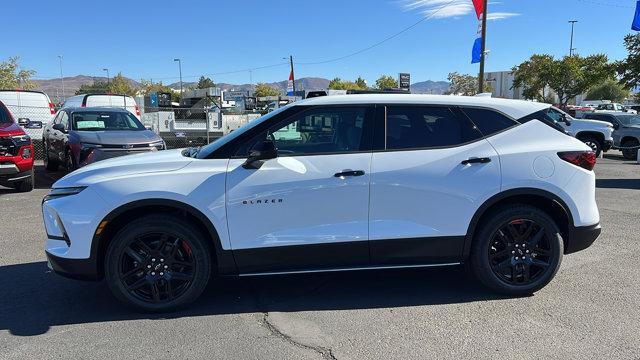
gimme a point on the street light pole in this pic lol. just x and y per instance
(482, 50)
(61, 77)
(108, 78)
(572, 22)
(179, 69)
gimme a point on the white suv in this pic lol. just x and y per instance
(333, 183)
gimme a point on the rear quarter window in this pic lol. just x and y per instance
(489, 121)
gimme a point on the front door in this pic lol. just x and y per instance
(308, 208)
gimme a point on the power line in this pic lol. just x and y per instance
(431, 15)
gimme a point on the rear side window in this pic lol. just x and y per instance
(414, 127)
(488, 121)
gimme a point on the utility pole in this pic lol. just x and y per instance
(572, 22)
(108, 78)
(61, 77)
(293, 78)
(180, 69)
(482, 50)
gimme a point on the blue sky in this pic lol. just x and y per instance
(141, 38)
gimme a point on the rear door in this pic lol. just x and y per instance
(433, 171)
(308, 208)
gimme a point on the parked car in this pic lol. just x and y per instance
(596, 134)
(16, 154)
(614, 107)
(31, 109)
(81, 136)
(626, 135)
(329, 184)
(103, 100)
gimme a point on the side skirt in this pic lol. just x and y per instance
(348, 269)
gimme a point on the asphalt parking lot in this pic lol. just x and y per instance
(590, 310)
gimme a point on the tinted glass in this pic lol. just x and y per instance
(105, 121)
(320, 130)
(4, 116)
(488, 121)
(629, 119)
(543, 115)
(410, 127)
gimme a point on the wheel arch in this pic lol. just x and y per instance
(224, 260)
(629, 137)
(545, 200)
(595, 134)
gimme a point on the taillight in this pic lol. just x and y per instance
(52, 109)
(584, 159)
(137, 110)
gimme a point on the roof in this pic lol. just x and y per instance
(514, 108)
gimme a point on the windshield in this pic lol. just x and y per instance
(629, 119)
(207, 150)
(5, 118)
(105, 121)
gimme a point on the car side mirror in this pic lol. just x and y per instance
(264, 150)
(565, 119)
(59, 127)
(24, 122)
(616, 126)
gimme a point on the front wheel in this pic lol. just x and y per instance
(25, 185)
(630, 149)
(517, 251)
(158, 263)
(593, 143)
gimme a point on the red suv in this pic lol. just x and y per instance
(16, 154)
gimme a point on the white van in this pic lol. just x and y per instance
(103, 100)
(31, 109)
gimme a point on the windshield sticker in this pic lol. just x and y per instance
(88, 124)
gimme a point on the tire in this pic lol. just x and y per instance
(153, 284)
(50, 165)
(501, 265)
(630, 154)
(69, 162)
(25, 185)
(593, 143)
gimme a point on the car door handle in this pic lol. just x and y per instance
(475, 160)
(346, 173)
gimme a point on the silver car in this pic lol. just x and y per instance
(81, 136)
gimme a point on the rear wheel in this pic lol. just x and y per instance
(69, 163)
(158, 263)
(630, 149)
(517, 251)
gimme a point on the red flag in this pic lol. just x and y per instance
(479, 6)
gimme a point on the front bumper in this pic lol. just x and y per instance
(80, 269)
(15, 176)
(581, 237)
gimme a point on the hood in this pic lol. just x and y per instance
(592, 122)
(10, 129)
(117, 137)
(149, 162)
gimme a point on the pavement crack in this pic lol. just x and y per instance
(326, 353)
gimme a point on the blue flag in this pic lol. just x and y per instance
(476, 53)
(636, 19)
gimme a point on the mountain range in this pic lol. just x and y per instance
(53, 87)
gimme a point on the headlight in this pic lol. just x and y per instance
(22, 140)
(159, 145)
(63, 191)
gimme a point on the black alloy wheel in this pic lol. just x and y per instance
(158, 263)
(516, 251)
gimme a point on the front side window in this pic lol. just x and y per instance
(319, 130)
(105, 121)
(414, 127)
(64, 120)
(629, 119)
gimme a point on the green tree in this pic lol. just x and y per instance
(97, 87)
(339, 84)
(465, 84)
(386, 82)
(533, 75)
(568, 77)
(120, 85)
(263, 89)
(12, 77)
(608, 90)
(362, 83)
(205, 83)
(149, 87)
(629, 68)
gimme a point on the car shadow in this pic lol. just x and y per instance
(44, 178)
(633, 184)
(34, 299)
